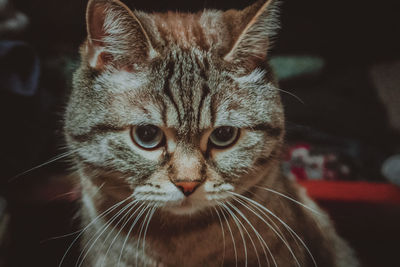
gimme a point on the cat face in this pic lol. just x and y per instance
(166, 117)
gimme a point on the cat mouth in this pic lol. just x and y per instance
(184, 203)
(189, 205)
(185, 206)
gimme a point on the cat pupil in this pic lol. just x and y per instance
(223, 136)
(224, 133)
(147, 136)
(147, 133)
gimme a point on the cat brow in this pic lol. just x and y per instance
(97, 129)
(268, 128)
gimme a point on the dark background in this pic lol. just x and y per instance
(341, 105)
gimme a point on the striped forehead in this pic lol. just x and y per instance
(186, 93)
(185, 89)
(250, 100)
(170, 94)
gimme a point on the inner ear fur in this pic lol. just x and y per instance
(252, 29)
(115, 35)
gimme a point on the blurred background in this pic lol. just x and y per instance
(339, 67)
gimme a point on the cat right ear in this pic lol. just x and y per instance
(116, 37)
(252, 29)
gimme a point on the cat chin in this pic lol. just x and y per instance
(183, 211)
(185, 207)
(188, 206)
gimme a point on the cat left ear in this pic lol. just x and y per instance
(253, 29)
(115, 36)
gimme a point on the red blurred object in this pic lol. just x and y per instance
(366, 214)
(364, 192)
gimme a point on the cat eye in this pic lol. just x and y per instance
(224, 136)
(147, 136)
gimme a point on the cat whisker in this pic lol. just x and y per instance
(65, 195)
(223, 234)
(239, 228)
(98, 189)
(291, 199)
(129, 206)
(255, 203)
(291, 94)
(147, 226)
(248, 234)
(54, 159)
(101, 215)
(259, 237)
(140, 233)
(144, 209)
(279, 235)
(231, 233)
(119, 231)
(144, 222)
(61, 236)
(274, 225)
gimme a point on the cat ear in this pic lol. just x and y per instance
(115, 36)
(253, 28)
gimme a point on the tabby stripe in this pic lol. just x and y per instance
(189, 105)
(201, 39)
(122, 151)
(167, 89)
(212, 111)
(270, 130)
(262, 161)
(204, 69)
(203, 171)
(163, 110)
(97, 129)
(204, 94)
(166, 159)
(92, 166)
(206, 66)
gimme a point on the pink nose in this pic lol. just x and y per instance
(187, 188)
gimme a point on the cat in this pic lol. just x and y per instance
(176, 127)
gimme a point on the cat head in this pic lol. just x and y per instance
(174, 109)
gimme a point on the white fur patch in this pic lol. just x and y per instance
(256, 76)
(94, 57)
(209, 187)
(120, 80)
(102, 150)
(87, 202)
(187, 166)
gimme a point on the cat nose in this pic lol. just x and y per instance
(187, 188)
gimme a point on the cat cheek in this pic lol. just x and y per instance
(155, 155)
